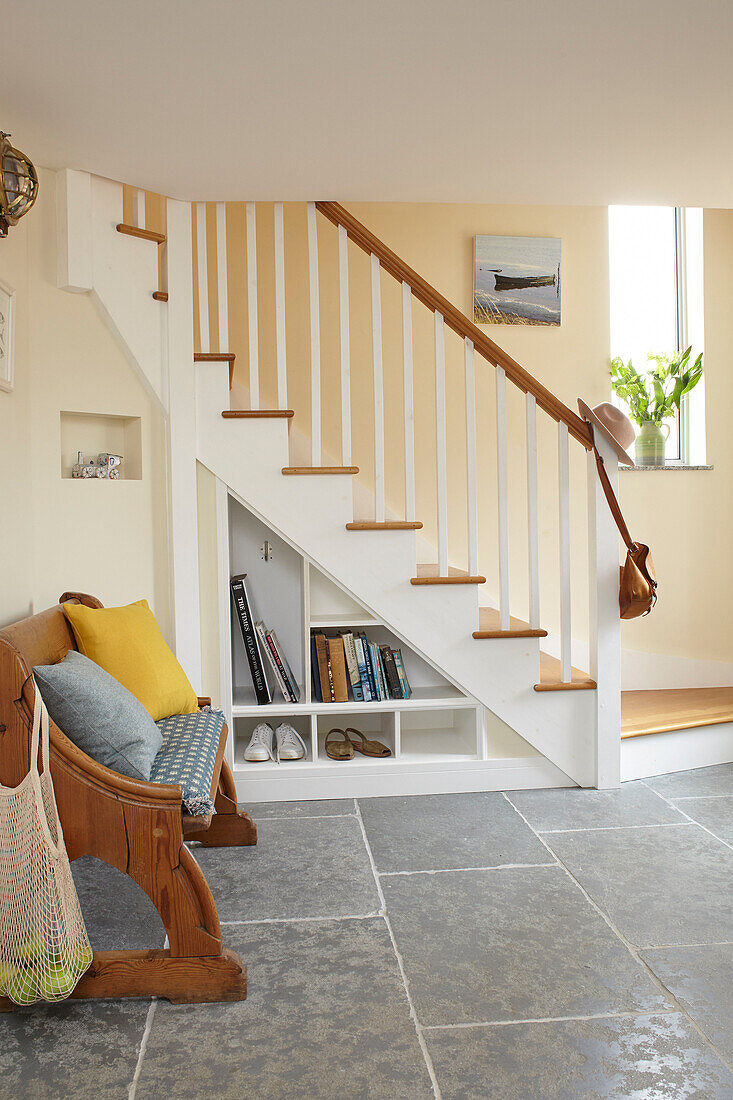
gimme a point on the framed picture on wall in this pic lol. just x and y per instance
(7, 307)
(517, 281)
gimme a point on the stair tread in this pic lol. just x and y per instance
(489, 626)
(429, 574)
(143, 234)
(666, 709)
(320, 469)
(550, 677)
(387, 525)
(214, 357)
(255, 414)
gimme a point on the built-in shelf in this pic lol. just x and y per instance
(438, 727)
(94, 433)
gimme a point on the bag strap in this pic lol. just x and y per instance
(613, 503)
(40, 726)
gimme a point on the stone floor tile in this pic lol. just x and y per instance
(701, 979)
(78, 1050)
(715, 814)
(717, 779)
(326, 807)
(512, 944)
(576, 808)
(326, 1016)
(662, 885)
(305, 868)
(439, 831)
(622, 1058)
(117, 912)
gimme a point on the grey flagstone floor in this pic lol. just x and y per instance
(529, 945)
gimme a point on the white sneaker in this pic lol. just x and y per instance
(260, 744)
(290, 745)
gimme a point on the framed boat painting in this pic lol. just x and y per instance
(7, 320)
(516, 281)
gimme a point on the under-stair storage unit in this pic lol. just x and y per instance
(439, 738)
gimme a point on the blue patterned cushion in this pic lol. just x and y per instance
(188, 756)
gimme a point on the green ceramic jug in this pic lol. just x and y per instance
(649, 446)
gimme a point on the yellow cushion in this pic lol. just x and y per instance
(127, 643)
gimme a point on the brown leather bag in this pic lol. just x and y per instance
(638, 587)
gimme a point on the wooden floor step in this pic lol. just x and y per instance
(489, 626)
(388, 525)
(428, 574)
(217, 357)
(143, 234)
(297, 470)
(550, 679)
(258, 414)
(160, 295)
(668, 709)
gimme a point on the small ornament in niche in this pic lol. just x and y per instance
(101, 465)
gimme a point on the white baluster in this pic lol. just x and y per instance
(502, 475)
(221, 276)
(472, 503)
(315, 327)
(282, 371)
(441, 455)
(254, 366)
(203, 277)
(345, 347)
(379, 503)
(533, 555)
(408, 402)
(138, 208)
(563, 466)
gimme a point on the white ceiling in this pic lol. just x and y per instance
(567, 101)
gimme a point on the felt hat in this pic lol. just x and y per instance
(614, 425)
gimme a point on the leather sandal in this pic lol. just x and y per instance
(363, 745)
(343, 749)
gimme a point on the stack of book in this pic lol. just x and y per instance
(349, 666)
(262, 648)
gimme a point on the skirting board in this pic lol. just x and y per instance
(515, 774)
(677, 751)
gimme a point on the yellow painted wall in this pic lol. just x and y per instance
(108, 538)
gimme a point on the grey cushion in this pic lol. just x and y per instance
(99, 715)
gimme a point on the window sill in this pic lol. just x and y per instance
(656, 469)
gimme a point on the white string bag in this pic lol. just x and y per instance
(44, 947)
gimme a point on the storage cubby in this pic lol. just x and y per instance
(95, 433)
(437, 737)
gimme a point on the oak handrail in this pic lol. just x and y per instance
(457, 320)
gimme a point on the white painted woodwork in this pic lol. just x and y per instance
(222, 289)
(181, 400)
(502, 475)
(312, 513)
(315, 331)
(280, 347)
(533, 545)
(472, 502)
(74, 231)
(677, 751)
(203, 277)
(563, 468)
(409, 410)
(138, 208)
(345, 347)
(254, 365)
(604, 621)
(225, 616)
(441, 447)
(377, 370)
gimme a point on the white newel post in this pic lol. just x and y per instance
(182, 443)
(605, 624)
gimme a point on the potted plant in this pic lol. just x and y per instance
(654, 397)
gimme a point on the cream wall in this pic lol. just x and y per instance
(108, 538)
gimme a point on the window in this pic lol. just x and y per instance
(656, 284)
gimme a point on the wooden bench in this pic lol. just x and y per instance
(137, 827)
